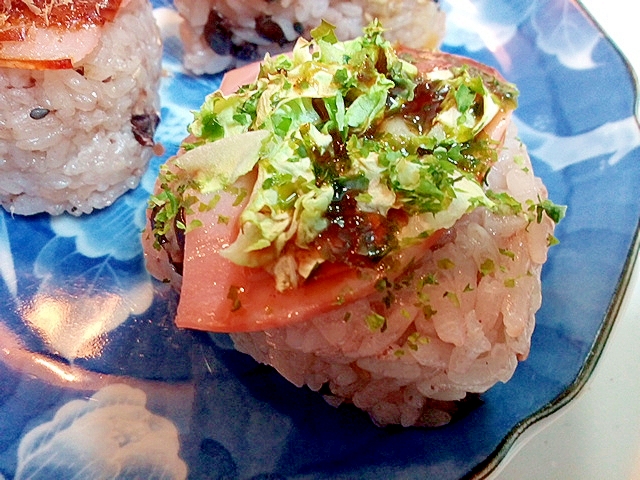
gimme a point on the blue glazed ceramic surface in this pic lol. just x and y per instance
(96, 382)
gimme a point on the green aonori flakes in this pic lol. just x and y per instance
(487, 267)
(376, 322)
(446, 264)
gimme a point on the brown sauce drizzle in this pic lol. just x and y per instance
(422, 110)
(357, 238)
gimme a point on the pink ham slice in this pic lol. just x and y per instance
(52, 35)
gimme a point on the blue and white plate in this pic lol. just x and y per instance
(96, 382)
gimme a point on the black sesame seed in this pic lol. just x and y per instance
(299, 28)
(39, 113)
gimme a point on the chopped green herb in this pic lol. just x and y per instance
(507, 253)
(446, 264)
(416, 339)
(555, 212)
(487, 267)
(428, 311)
(382, 284)
(552, 240)
(465, 98)
(428, 279)
(193, 224)
(505, 204)
(376, 322)
(205, 207)
(452, 297)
